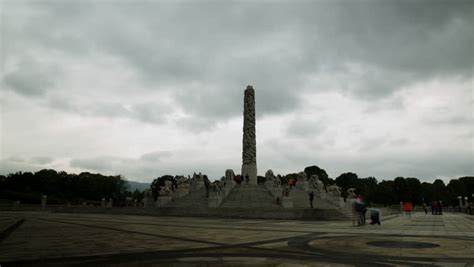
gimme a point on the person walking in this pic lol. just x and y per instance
(408, 207)
(311, 197)
(207, 184)
(425, 208)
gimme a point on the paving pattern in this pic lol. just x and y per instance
(54, 239)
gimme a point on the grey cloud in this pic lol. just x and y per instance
(41, 160)
(295, 157)
(149, 112)
(105, 164)
(31, 78)
(305, 128)
(451, 119)
(146, 167)
(196, 124)
(155, 156)
(202, 56)
(15, 164)
(223, 47)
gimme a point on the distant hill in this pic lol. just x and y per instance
(137, 185)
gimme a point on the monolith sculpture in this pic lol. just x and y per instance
(249, 146)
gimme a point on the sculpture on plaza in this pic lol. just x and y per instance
(334, 191)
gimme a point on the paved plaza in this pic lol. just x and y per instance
(55, 239)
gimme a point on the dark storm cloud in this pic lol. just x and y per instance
(185, 64)
(207, 53)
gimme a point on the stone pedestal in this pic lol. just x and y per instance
(276, 192)
(460, 202)
(227, 190)
(287, 202)
(197, 185)
(251, 171)
(180, 192)
(43, 202)
(341, 202)
(110, 204)
(148, 202)
(321, 193)
(161, 201)
(268, 185)
(214, 200)
(16, 205)
(303, 185)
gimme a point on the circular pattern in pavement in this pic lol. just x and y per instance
(401, 244)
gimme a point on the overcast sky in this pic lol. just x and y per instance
(148, 88)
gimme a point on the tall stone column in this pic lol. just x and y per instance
(249, 147)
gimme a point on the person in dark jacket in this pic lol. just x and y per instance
(311, 197)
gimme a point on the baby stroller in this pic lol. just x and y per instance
(375, 216)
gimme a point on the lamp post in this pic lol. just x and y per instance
(43, 202)
(460, 202)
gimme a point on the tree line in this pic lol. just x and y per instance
(62, 187)
(391, 192)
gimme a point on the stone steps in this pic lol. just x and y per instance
(301, 200)
(323, 214)
(195, 199)
(248, 213)
(249, 196)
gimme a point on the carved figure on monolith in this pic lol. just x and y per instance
(249, 146)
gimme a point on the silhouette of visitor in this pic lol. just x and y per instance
(311, 197)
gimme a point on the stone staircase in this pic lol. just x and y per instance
(249, 196)
(301, 200)
(253, 201)
(322, 215)
(195, 199)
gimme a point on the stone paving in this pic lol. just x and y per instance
(55, 239)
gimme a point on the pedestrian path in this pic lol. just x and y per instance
(55, 239)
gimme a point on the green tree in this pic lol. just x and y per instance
(347, 180)
(401, 188)
(385, 193)
(414, 190)
(321, 173)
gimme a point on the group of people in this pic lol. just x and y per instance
(436, 208)
(359, 211)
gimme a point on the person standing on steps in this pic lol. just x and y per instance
(311, 197)
(207, 185)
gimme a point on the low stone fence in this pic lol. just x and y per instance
(254, 213)
(29, 207)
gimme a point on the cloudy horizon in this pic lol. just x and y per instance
(148, 88)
